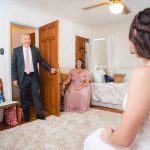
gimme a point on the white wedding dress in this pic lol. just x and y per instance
(141, 142)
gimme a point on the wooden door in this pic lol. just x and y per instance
(32, 35)
(50, 93)
(80, 47)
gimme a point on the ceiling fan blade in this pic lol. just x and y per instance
(97, 5)
(125, 9)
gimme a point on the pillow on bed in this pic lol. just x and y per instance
(98, 76)
(124, 70)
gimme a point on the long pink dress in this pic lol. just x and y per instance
(78, 101)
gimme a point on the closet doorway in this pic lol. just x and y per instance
(16, 32)
(81, 51)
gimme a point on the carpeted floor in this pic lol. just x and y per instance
(66, 132)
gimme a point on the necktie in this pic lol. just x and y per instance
(27, 62)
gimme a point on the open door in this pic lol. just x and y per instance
(32, 36)
(50, 92)
(80, 47)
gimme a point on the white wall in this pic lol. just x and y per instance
(99, 53)
(122, 49)
(21, 14)
(68, 32)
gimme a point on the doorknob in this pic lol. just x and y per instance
(57, 70)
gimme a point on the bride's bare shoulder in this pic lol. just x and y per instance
(141, 73)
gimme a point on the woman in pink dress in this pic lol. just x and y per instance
(77, 95)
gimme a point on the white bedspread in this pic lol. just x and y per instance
(109, 93)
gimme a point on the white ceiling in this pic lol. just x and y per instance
(71, 10)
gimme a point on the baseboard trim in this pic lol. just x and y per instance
(107, 109)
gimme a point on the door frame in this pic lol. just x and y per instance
(10, 47)
(77, 45)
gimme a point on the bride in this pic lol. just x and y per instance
(134, 131)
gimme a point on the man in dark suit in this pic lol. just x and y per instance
(25, 74)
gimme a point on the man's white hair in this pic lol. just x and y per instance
(25, 34)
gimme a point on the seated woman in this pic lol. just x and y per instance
(77, 95)
(134, 130)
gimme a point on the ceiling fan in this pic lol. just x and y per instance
(114, 5)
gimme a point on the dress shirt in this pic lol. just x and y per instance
(30, 56)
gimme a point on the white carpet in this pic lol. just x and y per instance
(66, 132)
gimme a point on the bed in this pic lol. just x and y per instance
(108, 94)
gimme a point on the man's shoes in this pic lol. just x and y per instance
(42, 117)
(27, 119)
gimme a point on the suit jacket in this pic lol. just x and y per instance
(18, 64)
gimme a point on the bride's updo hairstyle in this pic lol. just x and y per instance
(139, 33)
